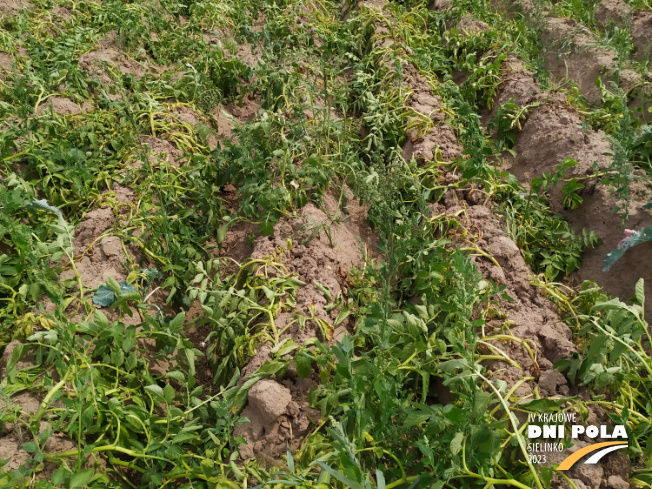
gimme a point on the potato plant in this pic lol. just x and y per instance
(189, 126)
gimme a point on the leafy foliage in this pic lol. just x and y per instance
(405, 399)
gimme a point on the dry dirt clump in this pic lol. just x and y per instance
(639, 23)
(440, 142)
(10, 8)
(5, 65)
(471, 26)
(553, 132)
(247, 109)
(224, 130)
(440, 5)
(108, 53)
(161, 150)
(572, 52)
(582, 61)
(641, 28)
(518, 84)
(62, 105)
(277, 416)
(616, 10)
(103, 257)
(611, 473)
(322, 252)
(186, 114)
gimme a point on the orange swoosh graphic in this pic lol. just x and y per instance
(574, 457)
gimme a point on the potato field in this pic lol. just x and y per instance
(374, 244)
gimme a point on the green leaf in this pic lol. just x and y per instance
(640, 291)
(340, 477)
(168, 393)
(543, 405)
(88, 415)
(100, 319)
(284, 347)
(132, 361)
(380, 479)
(156, 390)
(59, 476)
(290, 460)
(113, 285)
(15, 358)
(304, 366)
(266, 228)
(569, 162)
(324, 290)
(415, 418)
(190, 358)
(177, 323)
(30, 447)
(176, 375)
(81, 478)
(184, 436)
(104, 296)
(43, 204)
(456, 443)
(344, 313)
(221, 233)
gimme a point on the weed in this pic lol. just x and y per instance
(508, 118)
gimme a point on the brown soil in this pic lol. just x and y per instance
(616, 10)
(109, 53)
(440, 5)
(187, 115)
(161, 150)
(518, 83)
(438, 144)
(103, 256)
(582, 61)
(572, 52)
(530, 316)
(278, 415)
(62, 105)
(611, 473)
(11, 7)
(279, 412)
(641, 29)
(61, 13)
(639, 23)
(248, 54)
(552, 133)
(316, 257)
(223, 124)
(247, 109)
(471, 26)
(5, 65)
